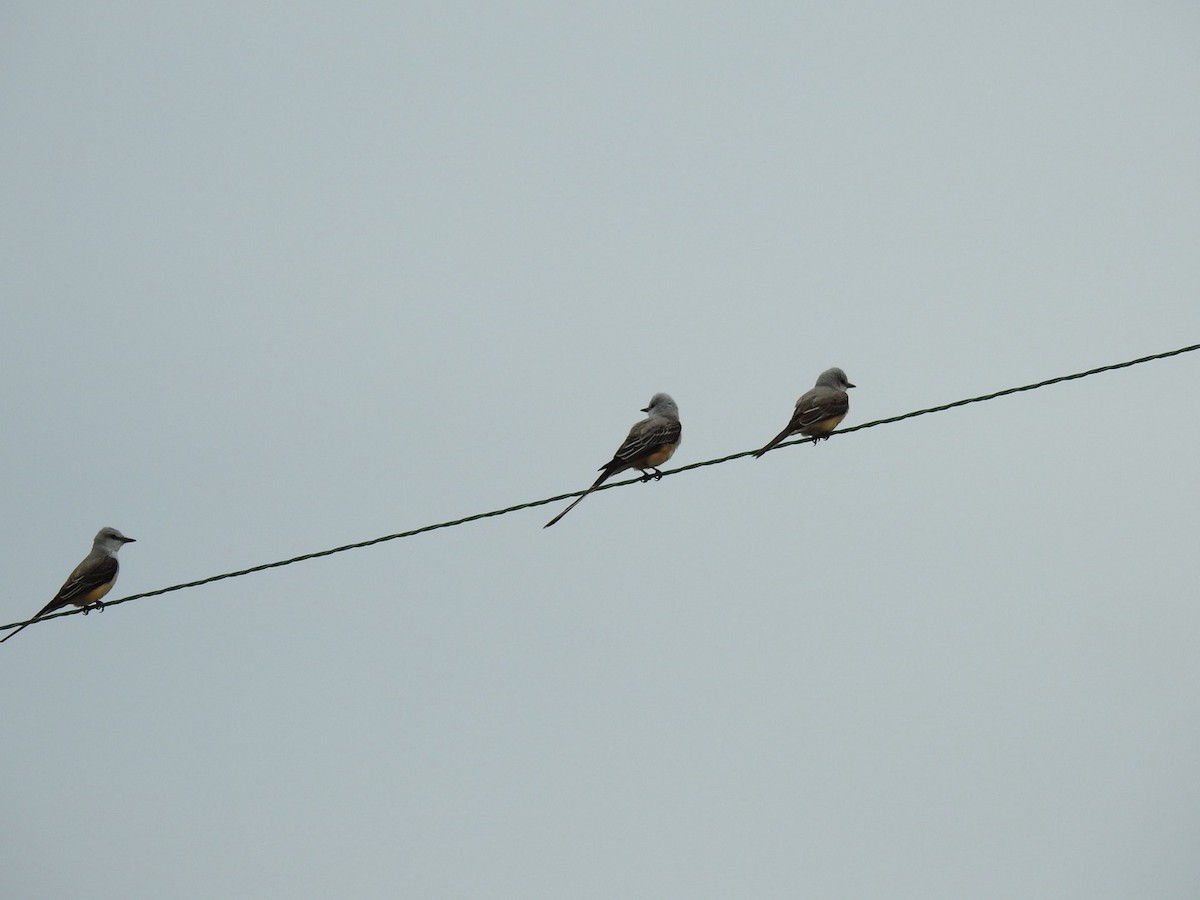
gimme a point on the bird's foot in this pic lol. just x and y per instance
(651, 475)
(98, 606)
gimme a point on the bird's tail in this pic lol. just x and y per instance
(606, 472)
(775, 441)
(17, 631)
(48, 608)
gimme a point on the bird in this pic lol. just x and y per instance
(650, 443)
(91, 579)
(818, 411)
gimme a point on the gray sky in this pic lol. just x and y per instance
(279, 277)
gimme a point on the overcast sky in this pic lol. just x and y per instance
(279, 277)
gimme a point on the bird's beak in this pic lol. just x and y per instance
(851, 385)
(130, 540)
(645, 409)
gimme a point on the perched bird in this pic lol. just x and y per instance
(818, 411)
(651, 442)
(91, 580)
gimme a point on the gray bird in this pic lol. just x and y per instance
(91, 580)
(650, 443)
(818, 411)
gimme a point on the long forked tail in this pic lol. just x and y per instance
(17, 631)
(778, 439)
(569, 508)
(48, 608)
(604, 474)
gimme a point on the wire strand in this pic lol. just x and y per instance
(452, 523)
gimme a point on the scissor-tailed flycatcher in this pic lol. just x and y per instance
(651, 443)
(91, 580)
(818, 411)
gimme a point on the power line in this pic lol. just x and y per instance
(452, 523)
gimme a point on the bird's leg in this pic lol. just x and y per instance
(98, 606)
(651, 474)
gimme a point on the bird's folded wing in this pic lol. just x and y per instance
(646, 436)
(89, 575)
(811, 410)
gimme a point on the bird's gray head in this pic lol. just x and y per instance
(662, 405)
(111, 540)
(834, 378)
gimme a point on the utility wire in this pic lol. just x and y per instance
(604, 487)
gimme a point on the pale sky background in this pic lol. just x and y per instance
(278, 277)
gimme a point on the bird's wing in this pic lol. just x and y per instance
(644, 437)
(88, 575)
(818, 405)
